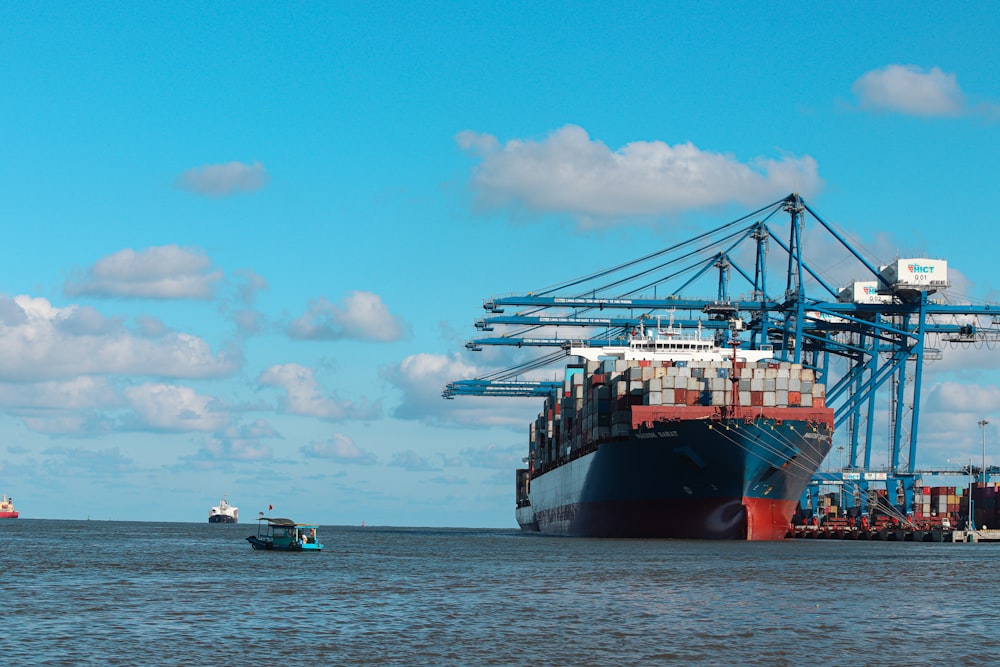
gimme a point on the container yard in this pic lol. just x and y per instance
(940, 514)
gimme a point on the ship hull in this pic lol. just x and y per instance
(9, 515)
(685, 473)
(221, 518)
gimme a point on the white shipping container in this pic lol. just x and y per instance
(919, 274)
(862, 291)
(654, 398)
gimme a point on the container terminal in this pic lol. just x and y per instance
(798, 303)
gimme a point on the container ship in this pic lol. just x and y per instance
(224, 513)
(671, 435)
(7, 510)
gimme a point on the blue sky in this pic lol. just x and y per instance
(245, 243)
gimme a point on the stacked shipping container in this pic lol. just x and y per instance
(598, 397)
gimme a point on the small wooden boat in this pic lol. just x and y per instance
(275, 534)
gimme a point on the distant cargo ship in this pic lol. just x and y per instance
(671, 435)
(7, 510)
(224, 513)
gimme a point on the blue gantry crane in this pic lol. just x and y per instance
(865, 329)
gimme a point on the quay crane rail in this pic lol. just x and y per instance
(872, 335)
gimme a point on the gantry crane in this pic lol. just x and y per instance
(866, 340)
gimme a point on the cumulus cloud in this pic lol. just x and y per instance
(81, 393)
(956, 398)
(39, 342)
(78, 462)
(412, 461)
(339, 448)
(360, 316)
(222, 180)
(160, 272)
(909, 89)
(162, 407)
(420, 378)
(248, 284)
(303, 397)
(238, 443)
(568, 172)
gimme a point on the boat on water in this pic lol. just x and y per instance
(669, 434)
(7, 510)
(224, 513)
(276, 534)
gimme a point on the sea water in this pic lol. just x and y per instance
(121, 593)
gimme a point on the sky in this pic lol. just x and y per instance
(245, 243)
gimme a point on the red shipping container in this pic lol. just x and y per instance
(757, 398)
(794, 397)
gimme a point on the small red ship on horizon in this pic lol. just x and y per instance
(7, 510)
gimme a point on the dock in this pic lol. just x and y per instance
(894, 534)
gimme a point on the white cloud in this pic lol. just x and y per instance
(571, 173)
(248, 284)
(222, 180)
(954, 398)
(360, 316)
(421, 378)
(412, 461)
(160, 272)
(238, 443)
(41, 342)
(909, 89)
(81, 393)
(302, 395)
(339, 448)
(163, 407)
